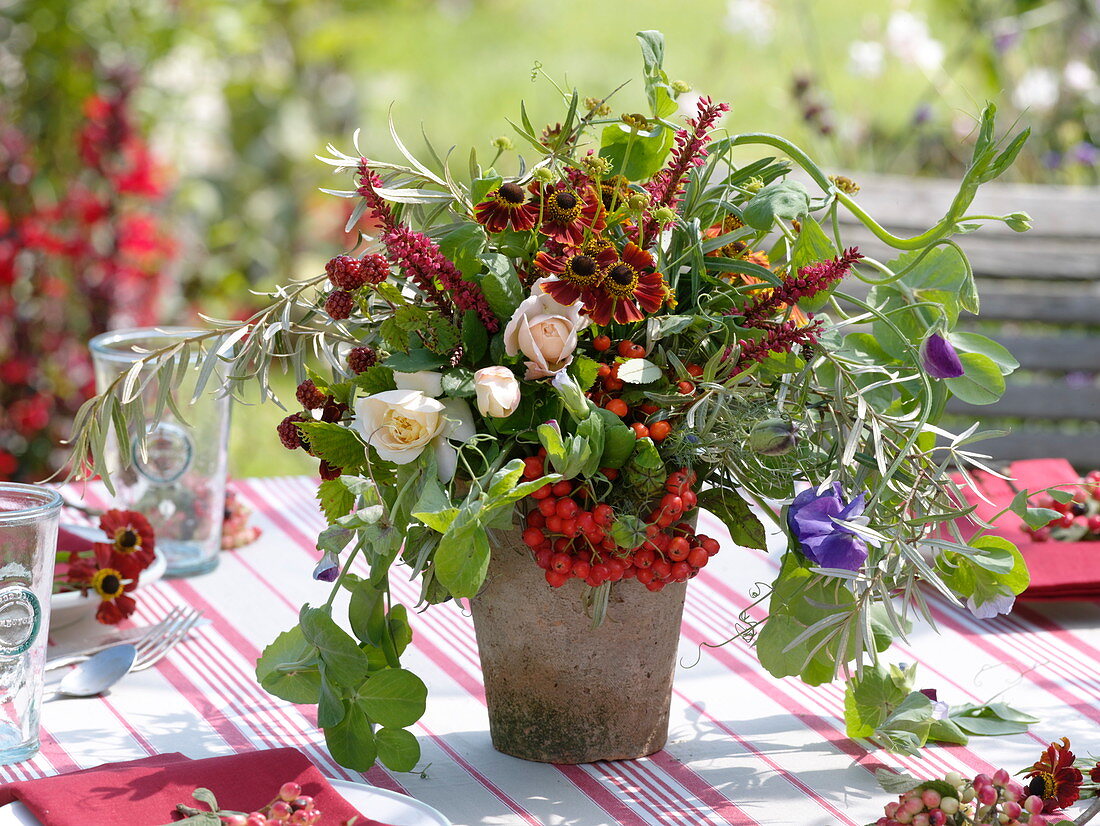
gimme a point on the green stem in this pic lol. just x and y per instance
(821, 179)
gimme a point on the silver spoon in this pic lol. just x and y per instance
(96, 674)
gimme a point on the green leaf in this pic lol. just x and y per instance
(939, 274)
(303, 684)
(585, 371)
(981, 383)
(974, 343)
(745, 527)
(374, 380)
(946, 730)
(351, 742)
(1033, 517)
(338, 445)
(346, 663)
(394, 697)
(366, 612)
(591, 430)
(458, 383)
(415, 360)
(812, 245)
(463, 245)
(635, 155)
(206, 796)
(475, 338)
(335, 499)
(330, 705)
(437, 520)
(783, 199)
(501, 285)
(639, 371)
(398, 749)
(628, 531)
(895, 782)
(462, 559)
(619, 440)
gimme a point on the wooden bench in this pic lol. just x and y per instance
(1040, 297)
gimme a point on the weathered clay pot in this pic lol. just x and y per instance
(560, 691)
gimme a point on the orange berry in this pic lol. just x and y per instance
(618, 407)
(611, 473)
(658, 431)
(685, 387)
(613, 384)
(601, 343)
(625, 346)
(603, 371)
(635, 351)
(649, 408)
(640, 430)
(694, 370)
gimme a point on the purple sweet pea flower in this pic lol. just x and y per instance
(327, 569)
(812, 518)
(939, 358)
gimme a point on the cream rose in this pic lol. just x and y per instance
(399, 424)
(426, 381)
(546, 332)
(497, 392)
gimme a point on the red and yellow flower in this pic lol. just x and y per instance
(505, 206)
(569, 215)
(1054, 778)
(577, 272)
(132, 541)
(111, 584)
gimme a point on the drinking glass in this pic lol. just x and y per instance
(28, 545)
(178, 481)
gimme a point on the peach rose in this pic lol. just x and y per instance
(546, 332)
(497, 391)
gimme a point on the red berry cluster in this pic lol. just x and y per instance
(362, 358)
(570, 535)
(1080, 516)
(609, 385)
(349, 274)
(291, 807)
(311, 397)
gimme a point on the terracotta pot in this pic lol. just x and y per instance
(560, 691)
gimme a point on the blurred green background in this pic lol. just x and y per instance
(234, 97)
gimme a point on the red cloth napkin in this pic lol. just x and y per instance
(145, 792)
(1059, 570)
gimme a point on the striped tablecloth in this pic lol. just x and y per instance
(743, 748)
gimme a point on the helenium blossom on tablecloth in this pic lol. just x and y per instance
(813, 518)
(939, 359)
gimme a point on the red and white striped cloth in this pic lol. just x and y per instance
(744, 748)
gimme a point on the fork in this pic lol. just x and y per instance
(152, 645)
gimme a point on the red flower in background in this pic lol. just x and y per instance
(96, 574)
(132, 541)
(1054, 778)
(98, 240)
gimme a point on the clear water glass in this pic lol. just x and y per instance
(178, 481)
(28, 545)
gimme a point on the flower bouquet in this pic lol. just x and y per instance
(537, 378)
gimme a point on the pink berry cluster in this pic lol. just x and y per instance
(1080, 516)
(995, 800)
(290, 808)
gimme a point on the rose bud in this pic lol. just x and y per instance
(498, 392)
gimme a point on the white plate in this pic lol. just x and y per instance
(377, 804)
(71, 607)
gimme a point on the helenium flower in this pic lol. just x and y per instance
(939, 359)
(813, 517)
